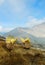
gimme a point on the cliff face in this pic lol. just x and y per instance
(21, 56)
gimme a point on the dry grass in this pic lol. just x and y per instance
(20, 56)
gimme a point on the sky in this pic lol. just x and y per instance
(21, 13)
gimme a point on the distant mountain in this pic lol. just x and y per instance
(17, 32)
(39, 30)
(36, 34)
(2, 33)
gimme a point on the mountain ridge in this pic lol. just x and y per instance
(36, 34)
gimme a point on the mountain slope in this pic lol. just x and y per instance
(36, 34)
(37, 31)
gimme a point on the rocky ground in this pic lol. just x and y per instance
(20, 56)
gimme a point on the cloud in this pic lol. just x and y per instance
(1, 2)
(17, 5)
(6, 29)
(32, 21)
(2, 29)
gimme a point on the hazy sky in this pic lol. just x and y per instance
(21, 13)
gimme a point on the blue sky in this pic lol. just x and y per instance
(21, 13)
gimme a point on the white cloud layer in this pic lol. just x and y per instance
(2, 29)
(34, 21)
(17, 5)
